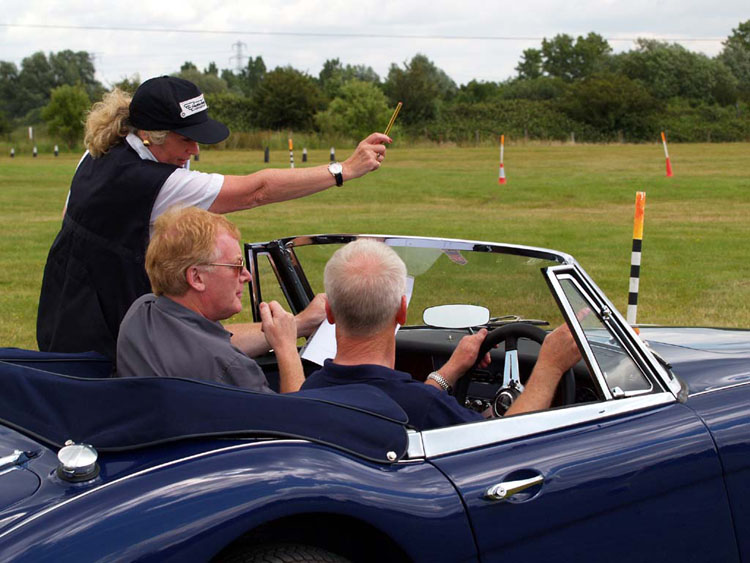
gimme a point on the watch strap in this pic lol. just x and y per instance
(440, 380)
(337, 176)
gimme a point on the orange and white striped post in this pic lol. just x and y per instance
(501, 174)
(666, 155)
(291, 153)
(635, 257)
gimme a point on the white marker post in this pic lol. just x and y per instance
(666, 155)
(501, 175)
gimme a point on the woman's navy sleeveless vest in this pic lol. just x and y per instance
(95, 268)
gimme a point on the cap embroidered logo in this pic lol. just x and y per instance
(192, 106)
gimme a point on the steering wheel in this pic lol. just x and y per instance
(512, 386)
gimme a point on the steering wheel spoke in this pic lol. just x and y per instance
(511, 371)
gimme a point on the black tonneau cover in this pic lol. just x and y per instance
(114, 414)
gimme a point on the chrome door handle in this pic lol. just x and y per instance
(507, 489)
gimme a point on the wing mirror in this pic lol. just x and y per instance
(456, 316)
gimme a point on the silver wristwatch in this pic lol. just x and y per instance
(440, 380)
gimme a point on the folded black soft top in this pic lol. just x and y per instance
(114, 414)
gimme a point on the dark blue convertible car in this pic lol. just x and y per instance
(644, 455)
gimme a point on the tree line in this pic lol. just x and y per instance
(567, 86)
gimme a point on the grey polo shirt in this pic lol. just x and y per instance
(159, 337)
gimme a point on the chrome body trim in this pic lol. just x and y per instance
(103, 486)
(415, 447)
(709, 391)
(452, 439)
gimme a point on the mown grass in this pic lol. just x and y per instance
(575, 198)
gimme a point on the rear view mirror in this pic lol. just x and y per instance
(456, 316)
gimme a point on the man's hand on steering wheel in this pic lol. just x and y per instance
(556, 356)
(559, 351)
(464, 357)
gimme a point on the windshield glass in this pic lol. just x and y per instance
(508, 285)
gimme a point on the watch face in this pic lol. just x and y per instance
(335, 168)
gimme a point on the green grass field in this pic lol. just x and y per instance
(575, 198)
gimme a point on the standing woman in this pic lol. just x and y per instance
(136, 167)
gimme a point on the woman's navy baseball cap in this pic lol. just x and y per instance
(167, 103)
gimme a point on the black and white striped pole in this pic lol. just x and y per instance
(12, 152)
(57, 151)
(34, 152)
(266, 155)
(304, 154)
(333, 154)
(635, 258)
(291, 153)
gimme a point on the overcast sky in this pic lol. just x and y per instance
(468, 39)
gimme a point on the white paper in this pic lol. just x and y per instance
(322, 344)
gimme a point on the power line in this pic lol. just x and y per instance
(338, 35)
(126, 56)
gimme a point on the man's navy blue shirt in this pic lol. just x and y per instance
(426, 406)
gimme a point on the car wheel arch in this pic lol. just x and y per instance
(345, 535)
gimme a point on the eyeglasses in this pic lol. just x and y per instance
(239, 266)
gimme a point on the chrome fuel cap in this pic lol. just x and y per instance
(77, 462)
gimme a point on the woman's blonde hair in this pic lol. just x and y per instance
(107, 124)
(183, 237)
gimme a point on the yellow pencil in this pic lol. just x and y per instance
(393, 118)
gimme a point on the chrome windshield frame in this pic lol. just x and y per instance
(426, 242)
(296, 288)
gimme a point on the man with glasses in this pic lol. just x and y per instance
(197, 275)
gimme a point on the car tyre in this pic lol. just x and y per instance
(284, 553)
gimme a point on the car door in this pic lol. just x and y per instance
(644, 481)
(725, 413)
(632, 477)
